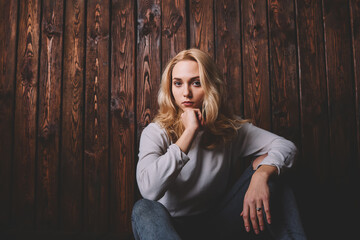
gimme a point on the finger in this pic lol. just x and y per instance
(267, 211)
(198, 114)
(253, 219)
(245, 215)
(260, 216)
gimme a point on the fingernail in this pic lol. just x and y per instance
(256, 231)
(262, 228)
(269, 220)
(247, 229)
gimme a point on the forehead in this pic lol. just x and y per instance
(185, 69)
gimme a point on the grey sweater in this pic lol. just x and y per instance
(188, 184)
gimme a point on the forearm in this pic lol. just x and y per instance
(265, 172)
(185, 140)
(155, 173)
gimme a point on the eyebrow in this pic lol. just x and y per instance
(193, 78)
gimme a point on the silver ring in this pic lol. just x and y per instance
(258, 209)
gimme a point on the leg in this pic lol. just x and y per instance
(227, 219)
(286, 222)
(151, 220)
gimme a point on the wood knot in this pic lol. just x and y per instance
(148, 23)
(175, 23)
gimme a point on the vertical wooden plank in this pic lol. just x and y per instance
(355, 27)
(202, 25)
(257, 103)
(148, 61)
(96, 170)
(313, 94)
(228, 50)
(173, 32)
(71, 163)
(341, 97)
(25, 114)
(283, 70)
(49, 115)
(122, 115)
(8, 16)
(315, 151)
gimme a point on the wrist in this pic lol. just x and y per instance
(191, 130)
(265, 172)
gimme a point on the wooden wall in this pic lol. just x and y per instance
(79, 81)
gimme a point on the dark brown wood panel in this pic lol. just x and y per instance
(71, 163)
(148, 61)
(313, 94)
(122, 128)
(202, 25)
(8, 17)
(96, 141)
(257, 103)
(173, 29)
(49, 115)
(283, 70)
(228, 50)
(340, 87)
(23, 207)
(355, 27)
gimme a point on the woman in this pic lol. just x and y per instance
(186, 156)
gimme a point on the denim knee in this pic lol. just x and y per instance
(151, 220)
(144, 207)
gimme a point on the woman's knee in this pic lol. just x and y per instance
(141, 206)
(144, 207)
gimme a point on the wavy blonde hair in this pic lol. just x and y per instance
(220, 124)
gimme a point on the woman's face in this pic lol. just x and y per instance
(185, 86)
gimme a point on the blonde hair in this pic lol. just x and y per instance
(220, 124)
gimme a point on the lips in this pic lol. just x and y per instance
(187, 103)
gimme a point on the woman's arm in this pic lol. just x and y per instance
(276, 153)
(159, 161)
(255, 141)
(258, 196)
(192, 120)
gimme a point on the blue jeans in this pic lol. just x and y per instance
(151, 220)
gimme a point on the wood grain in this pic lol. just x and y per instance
(202, 26)
(173, 29)
(96, 141)
(228, 51)
(71, 164)
(257, 102)
(49, 115)
(283, 70)
(7, 100)
(355, 27)
(23, 207)
(341, 99)
(312, 82)
(148, 61)
(122, 128)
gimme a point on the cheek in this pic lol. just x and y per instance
(201, 95)
(175, 94)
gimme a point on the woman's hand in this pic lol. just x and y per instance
(257, 197)
(192, 119)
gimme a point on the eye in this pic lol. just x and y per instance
(197, 83)
(177, 83)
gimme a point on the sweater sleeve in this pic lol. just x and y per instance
(255, 141)
(159, 162)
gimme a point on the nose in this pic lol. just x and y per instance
(187, 91)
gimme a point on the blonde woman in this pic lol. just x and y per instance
(186, 156)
